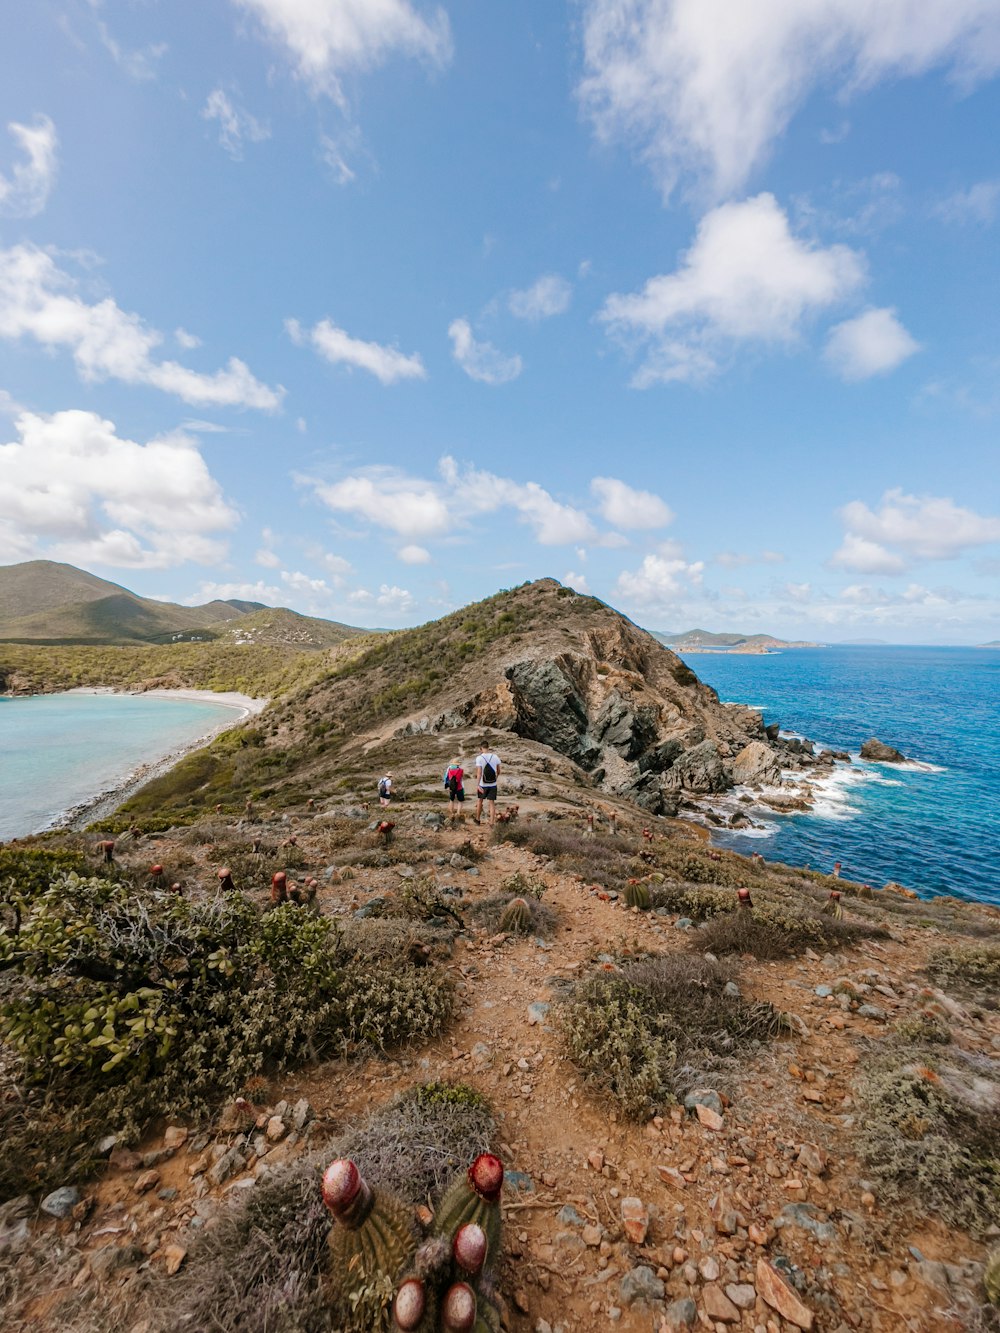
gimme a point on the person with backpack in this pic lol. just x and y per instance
(487, 773)
(385, 789)
(454, 778)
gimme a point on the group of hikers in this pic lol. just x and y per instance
(487, 765)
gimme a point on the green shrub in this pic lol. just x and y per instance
(924, 1029)
(976, 966)
(648, 1031)
(772, 931)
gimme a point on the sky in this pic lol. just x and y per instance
(371, 308)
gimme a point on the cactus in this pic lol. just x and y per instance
(474, 1196)
(991, 1278)
(413, 1307)
(832, 906)
(226, 880)
(865, 891)
(279, 887)
(637, 895)
(374, 1235)
(743, 898)
(516, 917)
(157, 879)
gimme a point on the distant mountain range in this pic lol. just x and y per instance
(43, 602)
(701, 640)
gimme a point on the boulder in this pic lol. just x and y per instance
(699, 769)
(756, 762)
(877, 752)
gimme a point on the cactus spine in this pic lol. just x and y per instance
(637, 895)
(516, 917)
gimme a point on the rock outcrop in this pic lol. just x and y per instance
(879, 753)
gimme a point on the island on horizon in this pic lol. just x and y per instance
(704, 641)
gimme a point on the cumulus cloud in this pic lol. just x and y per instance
(872, 343)
(625, 507)
(866, 557)
(40, 301)
(387, 364)
(327, 39)
(737, 559)
(703, 88)
(746, 278)
(550, 295)
(243, 592)
(236, 125)
(414, 508)
(481, 360)
(924, 527)
(72, 489)
(25, 191)
(659, 581)
(577, 581)
(414, 555)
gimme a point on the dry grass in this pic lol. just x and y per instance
(771, 932)
(488, 912)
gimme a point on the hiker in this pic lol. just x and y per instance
(385, 789)
(487, 773)
(454, 777)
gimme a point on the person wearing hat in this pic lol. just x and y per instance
(385, 789)
(454, 778)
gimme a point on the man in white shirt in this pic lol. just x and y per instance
(487, 773)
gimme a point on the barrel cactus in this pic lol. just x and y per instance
(516, 917)
(991, 1278)
(637, 895)
(474, 1196)
(833, 906)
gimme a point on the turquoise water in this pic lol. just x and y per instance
(59, 750)
(933, 824)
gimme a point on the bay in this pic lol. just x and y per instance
(58, 751)
(933, 823)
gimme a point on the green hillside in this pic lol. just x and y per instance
(43, 585)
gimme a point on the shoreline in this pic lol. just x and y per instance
(106, 802)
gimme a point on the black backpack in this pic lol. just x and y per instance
(453, 783)
(489, 774)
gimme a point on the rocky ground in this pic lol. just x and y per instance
(746, 1209)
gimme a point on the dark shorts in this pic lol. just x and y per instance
(487, 793)
(457, 795)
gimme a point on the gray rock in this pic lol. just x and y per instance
(61, 1202)
(537, 1012)
(731, 990)
(569, 1216)
(872, 1011)
(807, 1217)
(374, 907)
(15, 1238)
(877, 752)
(699, 769)
(681, 1315)
(226, 1167)
(683, 923)
(106, 1146)
(704, 1097)
(641, 1284)
(823, 991)
(110, 1258)
(302, 1113)
(756, 762)
(742, 1295)
(432, 819)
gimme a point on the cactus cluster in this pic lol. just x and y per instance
(516, 918)
(439, 1283)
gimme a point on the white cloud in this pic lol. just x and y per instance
(236, 125)
(703, 88)
(395, 599)
(39, 300)
(797, 592)
(269, 559)
(387, 364)
(577, 581)
(976, 205)
(872, 343)
(477, 492)
(550, 295)
(481, 361)
(414, 555)
(659, 581)
(24, 193)
(627, 508)
(139, 64)
(737, 559)
(243, 592)
(389, 500)
(920, 527)
(746, 278)
(73, 489)
(866, 557)
(328, 38)
(189, 341)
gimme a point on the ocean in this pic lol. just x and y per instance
(59, 750)
(932, 824)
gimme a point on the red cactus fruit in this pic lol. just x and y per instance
(486, 1176)
(175, 888)
(226, 878)
(346, 1194)
(743, 897)
(469, 1248)
(458, 1312)
(156, 870)
(279, 887)
(410, 1304)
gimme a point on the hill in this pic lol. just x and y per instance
(726, 1094)
(538, 665)
(703, 640)
(48, 603)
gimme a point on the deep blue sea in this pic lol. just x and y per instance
(59, 750)
(933, 824)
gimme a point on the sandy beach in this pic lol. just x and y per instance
(106, 802)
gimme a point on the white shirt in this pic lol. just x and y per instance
(487, 757)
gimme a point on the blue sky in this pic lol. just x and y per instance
(372, 307)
